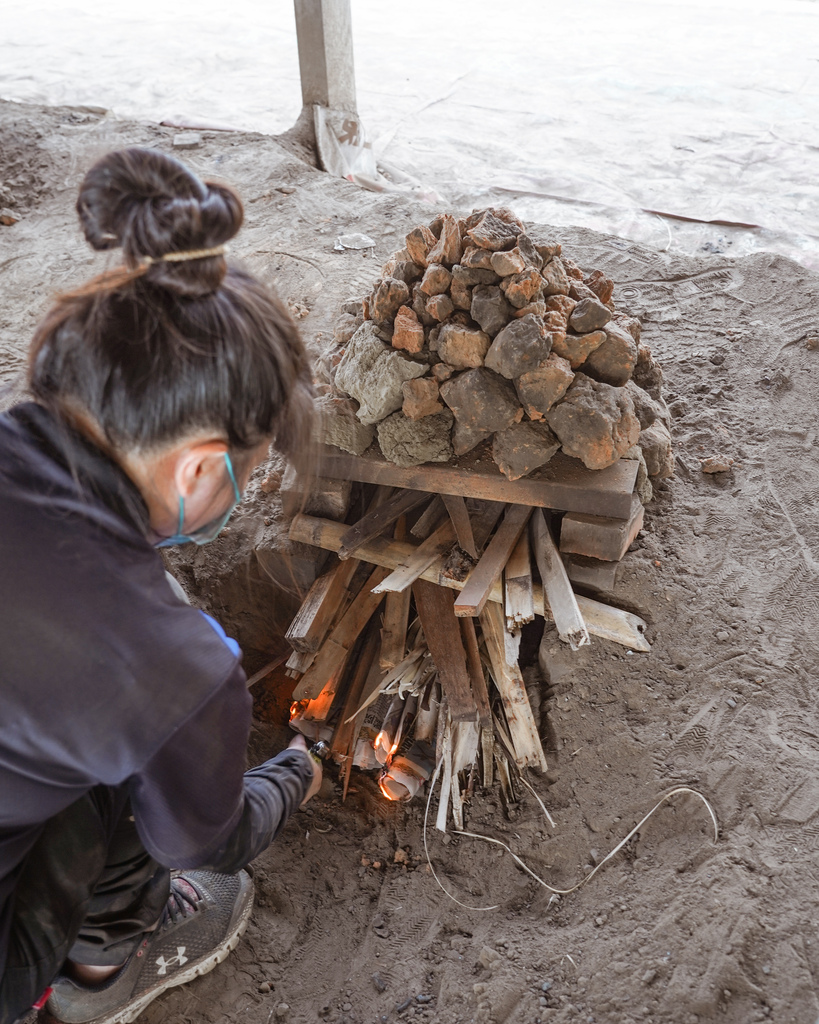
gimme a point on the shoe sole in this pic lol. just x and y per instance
(130, 1012)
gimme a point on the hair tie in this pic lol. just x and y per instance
(181, 257)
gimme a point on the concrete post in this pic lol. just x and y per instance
(325, 39)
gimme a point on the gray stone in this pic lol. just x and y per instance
(490, 309)
(531, 257)
(520, 347)
(555, 278)
(643, 488)
(595, 422)
(540, 388)
(646, 409)
(509, 262)
(465, 438)
(462, 348)
(546, 246)
(647, 374)
(482, 400)
(589, 315)
(373, 374)
(352, 306)
(409, 442)
(522, 448)
(655, 443)
(477, 259)
(629, 323)
(407, 271)
(387, 299)
(490, 232)
(578, 290)
(340, 426)
(613, 362)
(577, 347)
(470, 276)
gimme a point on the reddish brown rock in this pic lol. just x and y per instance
(419, 307)
(523, 288)
(408, 333)
(577, 347)
(629, 323)
(464, 438)
(490, 309)
(554, 320)
(541, 388)
(477, 259)
(421, 398)
(439, 307)
(436, 280)
(419, 242)
(647, 374)
(482, 401)
(387, 299)
(441, 372)
(523, 448)
(562, 304)
(578, 291)
(449, 247)
(461, 347)
(602, 286)
(546, 246)
(519, 347)
(613, 362)
(536, 308)
(555, 278)
(490, 232)
(507, 263)
(461, 295)
(572, 269)
(594, 422)
(406, 271)
(589, 315)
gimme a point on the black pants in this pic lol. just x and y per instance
(88, 891)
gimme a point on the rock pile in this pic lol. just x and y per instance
(479, 330)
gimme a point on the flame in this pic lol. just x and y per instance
(387, 794)
(297, 708)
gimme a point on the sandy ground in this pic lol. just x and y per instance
(677, 929)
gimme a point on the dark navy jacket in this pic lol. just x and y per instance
(106, 677)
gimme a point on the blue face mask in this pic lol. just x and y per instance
(210, 531)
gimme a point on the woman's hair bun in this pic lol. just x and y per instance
(150, 204)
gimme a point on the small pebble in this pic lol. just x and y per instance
(731, 702)
(265, 986)
(648, 977)
(282, 1010)
(346, 1007)
(400, 1007)
(379, 983)
(423, 999)
(723, 635)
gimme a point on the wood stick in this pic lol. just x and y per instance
(446, 777)
(565, 610)
(396, 618)
(376, 521)
(518, 595)
(487, 754)
(478, 584)
(443, 636)
(429, 519)
(421, 558)
(509, 681)
(485, 520)
(298, 662)
(332, 657)
(371, 683)
(601, 619)
(456, 507)
(475, 668)
(344, 730)
(325, 602)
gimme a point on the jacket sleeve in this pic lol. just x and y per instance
(193, 803)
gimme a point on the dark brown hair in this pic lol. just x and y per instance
(154, 352)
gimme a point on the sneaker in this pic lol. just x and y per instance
(202, 922)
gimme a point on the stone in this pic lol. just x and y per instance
(419, 242)
(409, 442)
(598, 576)
(601, 536)
(439, 307)
(595, 422)
(523, 288)
(613, 362)
(490, 232)
(477, 259)
(655, 442)
(547, 246)
(470, 276)
(8, 217)
(589, 315)
(374, 374)
(465, 438)
(441, 372)
(716, 464)
(531, 257)
(645, 408)
(340, 427)
(462, 347)
(449, 247)
(523, 448)
(555, 278)
(643, 487)
(519, 347)
(436, 280)
(343, 331)
(539, 389)
(572, 269)
(647, 374)
(562, 304)
(578, 291)
(461, 295)
(387, 298)
(490, 309)
(409, 332)
(282, 1010)
(351, 306)
(419, 307)
(407, 271)
(420, 398)
(602, 286)
(482, 400)
(432, 338)
(554, 321)
(577, 347)
(629, 323)
(537, 308)
(508, 263)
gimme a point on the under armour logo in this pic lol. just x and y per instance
(180, 959)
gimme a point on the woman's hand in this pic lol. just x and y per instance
(299, 743)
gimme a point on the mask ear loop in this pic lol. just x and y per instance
(236, 490)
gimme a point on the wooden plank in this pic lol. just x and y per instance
(485, 520)
(519, 597)
(601, 620)
(488, 570)
(330, 660)
(563, 483)
(429, 519)
(456, 507)
(562, 601)
(325, 600)
(396, 619)
(345, 731)
(443, 636)
(475, 668)
(376, 521)
(601, 536)
(421, 558)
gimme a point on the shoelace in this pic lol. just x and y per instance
(183, 902)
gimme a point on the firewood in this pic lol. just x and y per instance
(518, 595)
(429, 519)
(443, 636)
(562, 601)
(445, 747)
(484, 520)
(314, 619)
(601, 620)
(478, 584)
(376, 521)
(421, 558)
(330, 660)
(509, 681)
(396, 619)
(343, 736)
(456, 507)
(476, 675)
(298, 663)
(371, 684)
